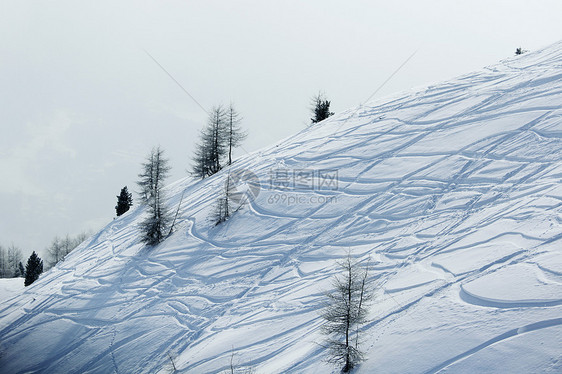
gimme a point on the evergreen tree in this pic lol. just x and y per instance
(33, 268)
(320, 108)
(344, 312)
(155, 171)
(124, 201)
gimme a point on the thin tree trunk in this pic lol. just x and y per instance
(363, 281)
(230, 138)
(348, 317)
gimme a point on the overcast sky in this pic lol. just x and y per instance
(82, 103)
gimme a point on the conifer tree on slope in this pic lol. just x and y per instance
(33, 268)
(217, 139)
(321, 108)
(344, 313)
(151, 183)
(124, 201)
(212, 144)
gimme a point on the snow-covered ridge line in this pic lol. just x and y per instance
(453, 191)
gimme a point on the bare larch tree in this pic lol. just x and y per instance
(345, 311)
(151, 183)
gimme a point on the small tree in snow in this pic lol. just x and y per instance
(33, 269)
(320, 108)
(124, 201)
(155, 171)
(344, 312)
(223, 208)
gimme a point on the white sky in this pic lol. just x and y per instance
(82, 104)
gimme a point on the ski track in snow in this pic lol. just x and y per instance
(447, 190)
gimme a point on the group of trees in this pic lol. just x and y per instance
(60, 247)
(214, 151)
(11, 262)
(217, 140)
(11, 265)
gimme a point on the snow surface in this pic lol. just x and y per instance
(453, 192)
(10, 287)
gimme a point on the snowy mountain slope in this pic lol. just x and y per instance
(10, 287)
(453, 191)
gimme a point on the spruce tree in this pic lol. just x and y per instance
(155, 171)
(33, 268)
(124, 201)
(320, 108)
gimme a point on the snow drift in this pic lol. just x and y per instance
(453, 192)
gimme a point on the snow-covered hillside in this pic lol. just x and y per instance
(454, 192)
(10, 287)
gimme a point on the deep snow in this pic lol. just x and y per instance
(453, 191)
